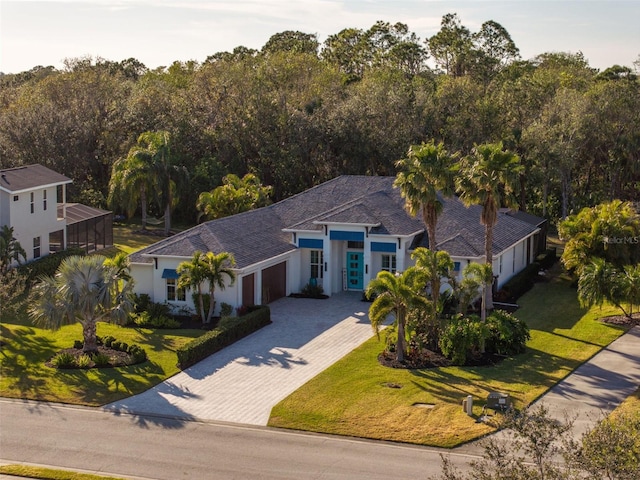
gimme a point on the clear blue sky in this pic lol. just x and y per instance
(158, 32)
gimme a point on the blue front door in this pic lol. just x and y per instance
(354, 270)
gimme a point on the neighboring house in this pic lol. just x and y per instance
(33, 202)
(339, 234)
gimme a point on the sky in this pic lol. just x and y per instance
(159, 32)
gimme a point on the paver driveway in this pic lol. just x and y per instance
(245, 380)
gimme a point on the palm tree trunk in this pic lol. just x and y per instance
(488, 252)
(430, 218)
(400, 344)
(143, 207)
(201, 302)
(167, 219)
(212, 306)
(90, 344)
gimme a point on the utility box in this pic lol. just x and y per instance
(498, 401)
(467, 405)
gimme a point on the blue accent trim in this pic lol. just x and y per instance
(383, 247)
(311, 243)
(170, 273)
(456, 266)
(341, 235)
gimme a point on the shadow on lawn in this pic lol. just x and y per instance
(532, 368)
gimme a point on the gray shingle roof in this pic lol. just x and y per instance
(258, 235)
(28, 177)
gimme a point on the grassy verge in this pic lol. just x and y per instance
(359, 397)
(49, 473)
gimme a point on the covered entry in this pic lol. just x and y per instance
(274, 282)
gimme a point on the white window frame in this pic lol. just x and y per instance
(316, 261)
(389, 263)
(37, 243)
(175, 294)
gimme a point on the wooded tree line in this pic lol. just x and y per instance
(297, 113)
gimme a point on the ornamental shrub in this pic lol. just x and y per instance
(64, 360)
(463, 338)
(508, 335)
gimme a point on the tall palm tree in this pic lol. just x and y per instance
(489, 177)
(82, 290)
(397, 295)
(131, 181)
(10, 249)
(475, 275)
(214, 269)
(423, 175)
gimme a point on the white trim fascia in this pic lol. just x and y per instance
(292, 230)
(37, 187)
(347, 224)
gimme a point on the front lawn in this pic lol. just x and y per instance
(359, 397)
(25, 349)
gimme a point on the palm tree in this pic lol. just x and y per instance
(192, 276)
(425, 174)
(436, 266)
(397, 295)
(82, 290)
(119, 269)
(131, 180)
(489, 177)
(476, 275)
(209, 267)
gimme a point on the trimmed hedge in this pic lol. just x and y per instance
(230, 330)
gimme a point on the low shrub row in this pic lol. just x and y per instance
(521, 283)
(48, 265)
(227, 332)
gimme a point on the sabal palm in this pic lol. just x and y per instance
(215, 269)
(82, 290)
(489, 177)
(423, 175)
(397, 295)
(10, 249)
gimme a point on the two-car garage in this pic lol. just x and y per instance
(273, 285)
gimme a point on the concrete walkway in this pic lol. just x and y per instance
(244, 381)
(599, 385)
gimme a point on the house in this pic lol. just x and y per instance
(339, 234)
(33, 202)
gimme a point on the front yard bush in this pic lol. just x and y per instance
(508, 335)
(227, 332)
(47, 266)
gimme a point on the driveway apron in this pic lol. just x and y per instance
(242, 382)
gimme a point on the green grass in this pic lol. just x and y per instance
(353, 398)
(25, 349)
(49, 473)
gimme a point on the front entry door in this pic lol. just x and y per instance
(354, 270)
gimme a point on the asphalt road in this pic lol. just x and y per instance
(148, 447)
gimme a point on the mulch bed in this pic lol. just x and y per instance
(622, 320)
(429, 359)
(118, 358)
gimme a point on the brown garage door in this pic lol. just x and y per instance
(274, 282)
(248, 294)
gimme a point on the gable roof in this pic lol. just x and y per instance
(29, 177)
(264, 233)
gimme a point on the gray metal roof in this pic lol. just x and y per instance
(76, 212)
(29, 177)
(258, 235)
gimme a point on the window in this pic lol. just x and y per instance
(16, 198)
(355, 244)
(456, 267)
(389, 263)
(173, 292)
(33, 198)
(316, 264)
(36, 247)
(44, 199)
